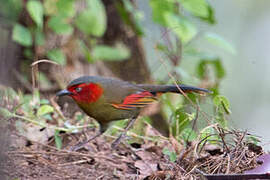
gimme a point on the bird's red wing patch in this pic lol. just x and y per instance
(136, 100)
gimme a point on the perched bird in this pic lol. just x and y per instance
(107, 100)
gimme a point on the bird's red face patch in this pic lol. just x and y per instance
(86, 93)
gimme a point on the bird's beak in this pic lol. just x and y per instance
(64, 93)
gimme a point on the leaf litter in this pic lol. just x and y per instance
(39, 160)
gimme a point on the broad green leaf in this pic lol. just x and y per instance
(44, 109)
(50, 7)
(35, 9)
(21, 35)
(217, 40)
(92, 21)
(183, 28)
(39, 37)
(108, 53)
(160, 8)
(58, 140)
(59, 25)
(48, 117)
(188, 134)
(196, 7)
(172, 155)
(5, 113)
(57, 55)
(208, 134)
(222, 101)
(66, 8)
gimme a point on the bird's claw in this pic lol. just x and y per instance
(116, 142)
(77, 147)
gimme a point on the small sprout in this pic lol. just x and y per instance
(170, 154)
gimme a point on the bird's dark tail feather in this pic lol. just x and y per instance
(172, 88)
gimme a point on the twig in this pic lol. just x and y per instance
(57, 108)
(228, 165)
(74, 162)
(50, 127)
(221, 134)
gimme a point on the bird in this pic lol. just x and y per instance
(108, 99)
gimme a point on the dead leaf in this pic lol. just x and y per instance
(146, 168)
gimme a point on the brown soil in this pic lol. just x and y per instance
(34, 160)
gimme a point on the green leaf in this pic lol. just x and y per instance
(21, 35)
(130, 16)
(253, 139)
(219, 69)
(215, 63)
(44, 101)
(85, 51)
(39, 37)
(188, 134)
(172, 155)
(208, 134)
(35, 10)
(217, 40)
(222, 101)
(108, 53)
(58, 140)
(201, 69)
(44, 109)
(92, 21)
(50, 7)
(59, 25)
(182, 119)
(160, 8)
(196, 7)
(211, 16)
(183, 28)
(66, 8)
(5, 113)
(57, 55)
(28, 53)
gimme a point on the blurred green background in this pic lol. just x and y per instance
(245, 24)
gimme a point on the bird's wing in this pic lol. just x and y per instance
(136, 100)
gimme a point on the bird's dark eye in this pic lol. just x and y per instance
(78, 89)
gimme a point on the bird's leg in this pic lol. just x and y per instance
(103, 128)
(123, 134)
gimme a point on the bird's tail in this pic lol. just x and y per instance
(172, 88)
